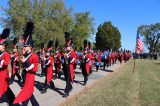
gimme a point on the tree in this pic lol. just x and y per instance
(151, 34)
(83, 27)
(51, 18)
(108, 36)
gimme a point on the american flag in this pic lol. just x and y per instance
(139, 46)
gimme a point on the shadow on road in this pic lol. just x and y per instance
(76, 72)
(39, 85)
(106, 70)
(79, 82)
(59, 90)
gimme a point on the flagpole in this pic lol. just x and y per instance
(135, 52)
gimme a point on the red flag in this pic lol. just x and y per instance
(139, 46)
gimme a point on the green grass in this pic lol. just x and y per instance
(123, 87)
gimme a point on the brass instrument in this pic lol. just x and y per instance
(43, 59)
(20, 52)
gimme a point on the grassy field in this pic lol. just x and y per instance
(123, 87)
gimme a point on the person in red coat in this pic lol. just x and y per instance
(68, 65)
(30, 63)
(49, 61)
(121, 56)
(57, 63)
(5, 91)
(57, 60)
(97, 60)
(116, 56)
(15, 62)
(68, 70)
(92, 60)
(76, 58)
(85, 66)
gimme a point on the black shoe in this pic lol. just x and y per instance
(53, 88)
(66, 95)
(11, 82)
(59, 76)
(71, 89)
(44, 91)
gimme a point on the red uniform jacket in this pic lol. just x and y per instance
(122, 56)
(49, 69)
(71, 65)
(4, 75)
(92, 59)
(116, 56)
(98, 57)
(57, 58)
(28, 87)
(15, 63)
(88, 57)
(76, 56)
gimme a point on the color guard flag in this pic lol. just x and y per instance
(139, 46)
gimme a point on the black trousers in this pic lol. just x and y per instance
(33, 101)
(24, 76)
(67, 75)
(97, 67)
(13, 76)
(46, 85)
(68, 87)
(43, 70)
(8, 96)
(84, 72)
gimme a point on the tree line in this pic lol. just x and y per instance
(52, 18)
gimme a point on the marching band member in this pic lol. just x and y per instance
(5, 91)
(97, 60)
(30, 66)
(68, 65)
(57, 60)
(48, 68)
(85, 63)
(15, 62)
(41, 54)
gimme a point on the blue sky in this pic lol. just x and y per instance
(127, 15)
